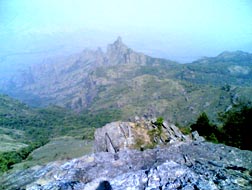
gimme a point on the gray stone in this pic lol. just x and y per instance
(182, 165)
(117, 136)
(197, 137)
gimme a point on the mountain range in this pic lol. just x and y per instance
(62, 101)
(136, 84)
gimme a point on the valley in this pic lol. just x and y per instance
(136, 84)
(50, 108)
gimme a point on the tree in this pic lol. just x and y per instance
(237, 124)
(205, 128)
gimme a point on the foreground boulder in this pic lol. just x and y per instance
(182, 165)
(140, 134)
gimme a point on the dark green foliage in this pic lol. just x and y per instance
(7, 159)
(53, 122)
(39, 125)
(237, 125)
(235, 130)
(202, 124)
(205, 128)
(159, 121)
(159, 124)
(45, 123)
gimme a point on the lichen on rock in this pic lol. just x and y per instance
(140, 134)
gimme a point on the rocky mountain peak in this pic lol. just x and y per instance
(117, 50)
(119, 53)
(118, 45)
(118, 41)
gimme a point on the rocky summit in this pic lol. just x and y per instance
(177, 164)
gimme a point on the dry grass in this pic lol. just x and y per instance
(62, 148)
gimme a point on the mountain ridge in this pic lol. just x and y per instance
(68, 74)
(124, 79)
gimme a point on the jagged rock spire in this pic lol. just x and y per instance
(119, 53)
(119, 40)
(117, 46)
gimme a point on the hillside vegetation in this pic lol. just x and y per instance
(24, 129)
(151, 90)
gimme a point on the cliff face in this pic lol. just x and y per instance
(119, 53)
(179, 164)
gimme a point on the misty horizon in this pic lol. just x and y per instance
(183, 31)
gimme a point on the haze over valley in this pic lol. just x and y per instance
(136, 84)
(32, 32)
(125, 94)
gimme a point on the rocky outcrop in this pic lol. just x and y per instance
(119, 53)
(139, 134)
(180, 163)
(183, 165)
(196, 137)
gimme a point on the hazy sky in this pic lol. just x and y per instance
(177, 29)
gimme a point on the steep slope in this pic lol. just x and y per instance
(64, 82)
(46, 83)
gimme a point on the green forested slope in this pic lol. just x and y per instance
(24, 129)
